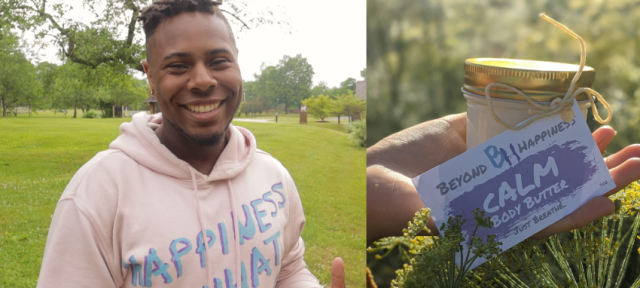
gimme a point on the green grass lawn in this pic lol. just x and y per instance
(40, 154)
(329, 123)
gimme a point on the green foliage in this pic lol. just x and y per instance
(346, 105)
(239, 111)
(114, 37)
(78, 86)
(416, 51)
(90, 114)
(358, 133)
(346, 87)
(319, 106)
(601, 254)
(287, 83)
(441, 261)
(321, 89)
(254, 106)
(349, 84)
(19, 83)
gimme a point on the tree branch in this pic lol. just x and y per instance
(48, 16)
(132, 27)
(132, 23)
(237, 18)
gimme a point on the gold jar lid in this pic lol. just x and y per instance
(542, 81)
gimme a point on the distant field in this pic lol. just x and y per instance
(329, 123)
(40, 154)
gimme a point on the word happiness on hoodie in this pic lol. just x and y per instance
(256, 221)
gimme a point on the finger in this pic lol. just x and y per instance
(595, 208)
(603, 137)
(392, 201)
(337, 273)
(631, 151)
(624, 174)
(458, 123)
(400, 151)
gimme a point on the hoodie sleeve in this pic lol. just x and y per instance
(72, 257)
(294, 272)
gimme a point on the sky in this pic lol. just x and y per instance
(330, 34)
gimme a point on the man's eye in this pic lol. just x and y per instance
(177, 66)
(219, 61)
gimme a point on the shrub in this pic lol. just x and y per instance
(600, 254)
(90, 114)
(358, 132)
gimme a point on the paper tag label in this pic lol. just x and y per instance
(524, 180)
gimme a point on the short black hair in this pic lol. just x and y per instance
(160, 10)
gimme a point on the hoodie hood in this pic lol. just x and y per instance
(138, 140)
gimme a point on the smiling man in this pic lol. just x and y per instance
(182, 198)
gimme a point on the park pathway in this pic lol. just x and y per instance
(253, 120)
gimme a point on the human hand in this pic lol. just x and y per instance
(337, 274)
(392, 199)
(624, 167)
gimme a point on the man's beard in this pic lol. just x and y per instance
(210, 140)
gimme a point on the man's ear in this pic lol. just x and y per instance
(145, 66)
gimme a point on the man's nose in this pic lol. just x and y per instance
(201, 79)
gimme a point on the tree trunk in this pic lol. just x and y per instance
(75, 111)
(4, 105)
(338, 119)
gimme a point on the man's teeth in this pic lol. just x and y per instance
(203, 108)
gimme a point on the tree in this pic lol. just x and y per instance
(346, 87)
(72, 88)
(18, 77)
(114, 36)
(321, 89)
(350, 84)
(349, 105)
(339, 106)
(318, 106)
(47, 78)
(288, 82)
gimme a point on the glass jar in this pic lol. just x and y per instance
(541, 81)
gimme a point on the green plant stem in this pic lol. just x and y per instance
(616, 228)
(579, 262)
(553, 243)
(546, 272)
(633, 232)
(591, 264)
(510, 276)
(604, 259)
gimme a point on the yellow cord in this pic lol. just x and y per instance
(558, 105)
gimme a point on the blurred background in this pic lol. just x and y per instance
(416, 51)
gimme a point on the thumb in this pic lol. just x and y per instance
(337, 274)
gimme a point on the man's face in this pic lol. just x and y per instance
(193, 69)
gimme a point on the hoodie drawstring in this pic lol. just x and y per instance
(204, 233)
(238, 271)
(237, 232)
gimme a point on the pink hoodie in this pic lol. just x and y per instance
(134, 216)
